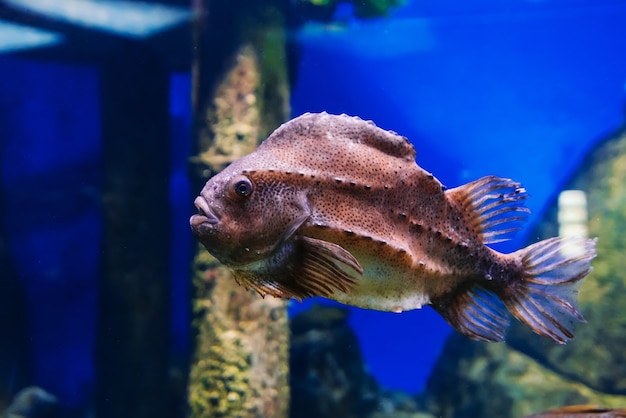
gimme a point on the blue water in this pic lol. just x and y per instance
(50, 180)
(519, 89)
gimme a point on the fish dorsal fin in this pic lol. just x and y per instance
(318, 128)
(493, 207)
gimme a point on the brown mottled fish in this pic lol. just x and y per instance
(334, 206)
(581, 411)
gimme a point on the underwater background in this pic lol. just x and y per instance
(108, 108)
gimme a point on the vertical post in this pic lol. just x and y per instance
(14, 349)
(133, 341)
(240, 93)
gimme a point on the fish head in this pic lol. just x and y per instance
(244, 215)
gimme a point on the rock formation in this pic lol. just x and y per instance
(528, 374)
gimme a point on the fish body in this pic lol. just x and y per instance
(582, 411)
(333, 206)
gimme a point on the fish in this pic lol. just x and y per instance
(334, 206)
(581, 411)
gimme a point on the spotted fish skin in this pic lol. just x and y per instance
(582, 411)
(333, 206)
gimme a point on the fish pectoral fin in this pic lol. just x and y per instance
(330, 252)
(319, 268)
(475, 312)
(303, 267)
(493, 206)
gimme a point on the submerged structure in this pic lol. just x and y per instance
(527, 375)
(101, 314)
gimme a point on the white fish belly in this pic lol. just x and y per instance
(385, 287)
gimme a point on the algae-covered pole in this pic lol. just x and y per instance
(133, 341)
(240, 93)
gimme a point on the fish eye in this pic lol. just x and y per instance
(243, 187)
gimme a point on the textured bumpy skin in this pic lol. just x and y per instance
(333, 206)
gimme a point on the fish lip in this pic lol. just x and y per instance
(205, 213)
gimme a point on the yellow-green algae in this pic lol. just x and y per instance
(233, 120)
(241, 368)
(362, 8)
(240, 360)
(530, 374)
(493, 380)
(594, 356)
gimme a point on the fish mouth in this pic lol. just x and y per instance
(205, 215)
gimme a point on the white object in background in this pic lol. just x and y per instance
(572, 219)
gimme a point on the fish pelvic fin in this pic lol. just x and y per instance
(543, 296)
(492, 207)
(302, 267)
(545, 299)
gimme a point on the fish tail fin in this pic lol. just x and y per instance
(545, 298)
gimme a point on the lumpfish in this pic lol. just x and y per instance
(333, 206)
(581, 411)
